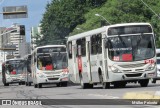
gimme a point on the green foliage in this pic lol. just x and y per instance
(62, 17)
(123, 11)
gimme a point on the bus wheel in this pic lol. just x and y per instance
(23, 83)
(20, 83)
(58, 84)
(39, 85)
(6, 84)
(35, 85)
(153, 80)
(105, 85)
(144, 83)
(26, 83)
(64, 84)
(90, 85)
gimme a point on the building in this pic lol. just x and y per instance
(24, 48)
(35, 35)
(12, 37)
(2, 53)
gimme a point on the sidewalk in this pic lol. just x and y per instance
(142, 95)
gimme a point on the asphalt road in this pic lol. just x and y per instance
(15, 91)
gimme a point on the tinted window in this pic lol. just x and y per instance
(70, 49)
(96, 44)
(129, 29)
(158, 54)
(158, 61)
(51, 49)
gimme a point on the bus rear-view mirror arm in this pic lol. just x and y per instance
(34, 59)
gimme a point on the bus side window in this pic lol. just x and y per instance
(83, 47)
(79, 42)
(99, 43)
(93, 45)
(158, 54)
(70, 49)
(96, 44)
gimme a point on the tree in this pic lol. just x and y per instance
(62, 16)
(123, 11)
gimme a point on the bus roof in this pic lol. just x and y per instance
(102, 29)
(128, 24)
(88, 33)
(45, 46)
(13, 59)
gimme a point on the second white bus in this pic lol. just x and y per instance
(49, 65)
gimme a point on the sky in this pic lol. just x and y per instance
(36, 9)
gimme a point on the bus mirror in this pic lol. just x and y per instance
(29, 70)
(10, 68)
(34, 59)
(156, 37)
(54, 66)
(106, 43)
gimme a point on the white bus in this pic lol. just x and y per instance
(12, 71)
(158, 66)
(114, 54)
(158, 52)
(49, 65)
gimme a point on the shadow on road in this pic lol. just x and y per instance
(127, 86)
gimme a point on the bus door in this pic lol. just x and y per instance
(72, 62)
(76, 72)
(88, 59)
(104, 58)
(34, 64)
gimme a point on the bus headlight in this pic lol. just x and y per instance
(114, 69)
(8, 76)
(150, 67)
(64, 74)
(42, 76)
(22, 77)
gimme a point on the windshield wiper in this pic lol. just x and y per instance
(140, 38)
(122, 41)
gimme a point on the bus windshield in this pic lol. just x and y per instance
(131, 48)
(14, 66)
(52, 61)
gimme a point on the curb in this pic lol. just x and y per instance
(142, 95)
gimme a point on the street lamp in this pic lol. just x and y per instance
(102, 17)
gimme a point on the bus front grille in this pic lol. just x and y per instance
(132, 65)
(53, 78)
(134, 75)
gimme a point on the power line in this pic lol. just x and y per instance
(150, 8)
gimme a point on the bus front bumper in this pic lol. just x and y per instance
(50, 80)
(132, 76)
(14, 80)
